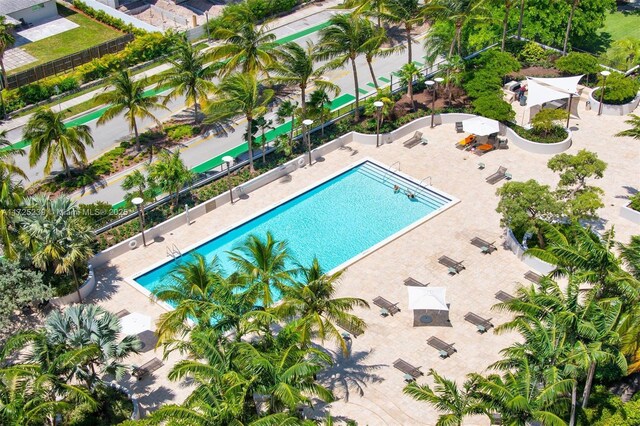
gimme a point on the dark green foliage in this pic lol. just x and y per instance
(609, 410)
(18, 288)
(180, 132)
(534, 55)
(619, 90)
(114, 407)
(97, 214)
(494, 107)
(555, 135)
(36, 92)
(259, 10)
(105, 18)
(635, 201)
(577, 63)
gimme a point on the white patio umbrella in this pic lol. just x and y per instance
(481, 126)
(430, 298)
(135, 323)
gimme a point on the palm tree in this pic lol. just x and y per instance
(460, 13)
(453, 74)
(189, 76)
(409, 13)
(508, 4)
(170, 174)
(285, 110)
(630, 254)
(128, 96)
(240, 94)
(312, 300)
(261, 268)
(263, 125)
(296, 69)
(373, 8)
(574, 6)
(408, 73)
(343, 41)
(634, 131)
(372, 48)
(142, 186)
(625, 52)
(246, 49)
(520, 18)
(78, 249)
(49, 136)
(319, 102)
(6, 41)
(448, 398)
(11, 193)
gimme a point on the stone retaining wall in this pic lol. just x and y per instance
(614, 109)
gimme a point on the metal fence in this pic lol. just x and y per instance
(68, 62)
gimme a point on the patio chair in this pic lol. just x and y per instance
(486, 247)
(466, 142)
(533, 277)
(481, 324)
(459, 127)
(408, 369)
(497, 176)
(411, 282)
(484, 148)
(147, 368)
(122, 313)
(445, 350)
(386, 307)
(454, 266)
(415, 140)
(349, 328)
(503, 296)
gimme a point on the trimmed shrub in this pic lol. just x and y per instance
(105, 18)
(578, 63)
(620, 89)
(493, 107)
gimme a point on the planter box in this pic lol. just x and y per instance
(85, 290)
(630, 214)
(532, 262)
(607, 109)
(537, 147)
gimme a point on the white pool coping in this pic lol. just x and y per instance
(452, 202)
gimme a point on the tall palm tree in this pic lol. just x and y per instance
(460, 13)
(6, 41)
(312, 301)
(51, 138)
(319, 102)
(263, 125)
(445, 396)
(373, 8)
(127, 95)
(189, 75)
(634, 131)
(408, 13)
(11, 193)
(170, 174)
(262, 268)
(142, 187)
(240, 94)
(248, 49)
(342, 41)
(408, 74)
(372, 48)
(296, 69)
(285, 110)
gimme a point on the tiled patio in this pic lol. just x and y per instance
(370, 389)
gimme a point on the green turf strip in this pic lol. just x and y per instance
(303, 33)
(384, 79)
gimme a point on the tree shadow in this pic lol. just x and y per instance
(630, 192)
(108, 282)
(597, 44)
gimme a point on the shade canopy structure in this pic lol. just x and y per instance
(135, 323)
(543, 90)
(430, 298)
(481, 126)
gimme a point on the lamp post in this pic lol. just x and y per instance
(138, 203)
(438, 81)
(432, 85)
(4, 110)
(306, 123)
(604, 74)
(378, 106)
(569, 109)
(228, 161)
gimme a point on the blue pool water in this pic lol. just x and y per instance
(334, 221)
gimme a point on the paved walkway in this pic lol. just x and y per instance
(368, 387)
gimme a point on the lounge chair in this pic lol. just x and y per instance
(486, 247)
(349, 328)
(386, 307)
(497, 176)
(415, 140)
(533, 277)
(408, 369)
(454, 267)
(459, 127)
(466, 142)
(414, 283)
(122, 313)
(445, 349)
(148, 368)
(503, 296)
(481, 324)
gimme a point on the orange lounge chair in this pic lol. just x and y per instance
(466, 141)
(485, 147)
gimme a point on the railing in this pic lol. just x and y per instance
(428, 177)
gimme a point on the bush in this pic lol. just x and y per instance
(180, 132)
(620, 89)
(635, 202)
(261, 10)
(555, 135)
(546, 121)
(534, 55)
(114, 407)
(578, 63)
(105, 18)
(494, 107)
(44, 89)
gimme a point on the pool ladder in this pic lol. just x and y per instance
(173, 251)
(390, 170)
(428, 177)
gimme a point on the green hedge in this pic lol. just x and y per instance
(261, 10)
(619, 90)
(557, 134)
(105, 18)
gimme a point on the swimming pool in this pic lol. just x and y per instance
(337, 221)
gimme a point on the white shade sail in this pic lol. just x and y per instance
(481, 126)
(427, 298)
(542, 90)
(135, 323)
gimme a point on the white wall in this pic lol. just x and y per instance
(37, 13)
(614, 109)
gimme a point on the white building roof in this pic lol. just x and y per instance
(10, 6)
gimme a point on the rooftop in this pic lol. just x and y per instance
(10, 6)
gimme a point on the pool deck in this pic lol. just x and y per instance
(369, 388)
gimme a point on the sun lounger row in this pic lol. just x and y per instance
(409, 370)
(386, 307)
(415, 140)
(533, 277)
(454, 266)
(500, 174)
(411, 282)
(445, 349)
(481, 324)
(349, 328)
(486, 247)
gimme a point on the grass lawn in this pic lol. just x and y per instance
(88, 34)
(619, 25)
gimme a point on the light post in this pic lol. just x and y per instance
(206, 15)
(604, 74)
(438, 81)
(378, 105)
(305, 124)
(432, 86)
(228, 161)
(4, 110)
(138, 203)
